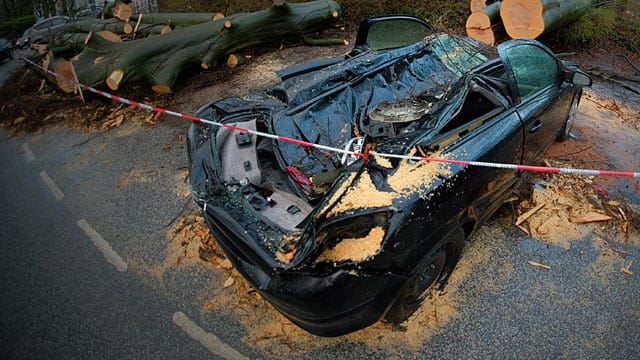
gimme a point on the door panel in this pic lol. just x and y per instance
(543, 98)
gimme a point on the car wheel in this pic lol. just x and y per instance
(431, 274)
(568, 124)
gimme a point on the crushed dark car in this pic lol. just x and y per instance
(337, 241)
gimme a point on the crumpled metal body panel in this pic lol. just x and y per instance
(457, 104)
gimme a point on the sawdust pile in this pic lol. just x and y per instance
(358, 249)
(417, 177)
(363, 195)
(409, 178)
(566, 208)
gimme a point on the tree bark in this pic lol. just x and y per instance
(478, 5)
(160, 59)
(114, 25)
(180, 19)
(485, 25)
(532, 18)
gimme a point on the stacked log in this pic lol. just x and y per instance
(521, 18)
(531, 18)
(484, 25)
(478, 5)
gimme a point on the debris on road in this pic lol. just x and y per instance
(625, 269)
(537, 264)
(593, 216)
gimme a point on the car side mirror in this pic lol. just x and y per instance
(580, 79)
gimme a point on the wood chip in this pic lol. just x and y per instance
(626, 271)
(523, 229)
(537, 264)
(226, 264)
(590, 217)
(230, 281)
(624, 216)
(522, 218)
(116, 122)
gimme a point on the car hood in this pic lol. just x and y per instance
(330, 107)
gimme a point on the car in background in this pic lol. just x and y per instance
(339, 240)
(89, 13)
(6, 50)
(43, 31)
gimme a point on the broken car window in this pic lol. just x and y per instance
(533, 68)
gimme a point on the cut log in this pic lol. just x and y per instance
(160, 62)
(115, 78)
(478, 5)
(122, 11)
(66, 76)
(485, 25)
(114, 25)
(531, 18)
(235, 59)
(218, 16)
(108, 35)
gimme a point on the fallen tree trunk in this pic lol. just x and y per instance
(531, 18)
(114, 25)
(159, 59)
(148, 30)
(478, 5)
(179, 19)
(485, 25)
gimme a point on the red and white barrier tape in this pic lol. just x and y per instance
(366, 154)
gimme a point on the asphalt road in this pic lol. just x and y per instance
(67, 294)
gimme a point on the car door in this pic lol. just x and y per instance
(542, 97)
(483, 127)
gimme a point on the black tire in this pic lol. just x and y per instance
(565, 134)
(430, 274)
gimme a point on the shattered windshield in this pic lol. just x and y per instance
(457, 54)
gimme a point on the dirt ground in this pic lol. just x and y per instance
(568, 207)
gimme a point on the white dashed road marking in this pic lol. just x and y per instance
(28, 154)
(209, 340)
(52, 186)
(112, 257)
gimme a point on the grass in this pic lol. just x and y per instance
(619, 22)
